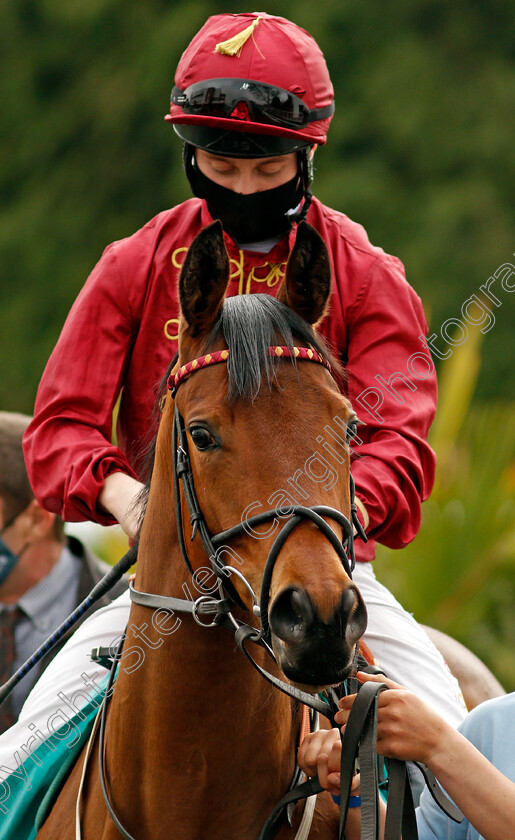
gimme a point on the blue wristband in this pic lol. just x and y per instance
(354, 801)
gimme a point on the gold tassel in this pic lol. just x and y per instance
(234, 45)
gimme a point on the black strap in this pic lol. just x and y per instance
(368, 774)
(400, 813)
(101, 746)
(441, 799)
(276, 817)
(361, 725)
(182, 474)
(360, 735)
(245, 633)
(361, 732)
(206, 605)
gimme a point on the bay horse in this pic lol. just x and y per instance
(198, 744)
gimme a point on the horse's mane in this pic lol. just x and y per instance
(250, 324)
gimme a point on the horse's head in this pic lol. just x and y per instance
(258, 431)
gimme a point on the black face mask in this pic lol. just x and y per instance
(247, 218)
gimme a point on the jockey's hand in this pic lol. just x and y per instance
(319, 755)
(120, 496)
(407, 728)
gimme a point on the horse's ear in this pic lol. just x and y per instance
(204, 278)
(307, 283)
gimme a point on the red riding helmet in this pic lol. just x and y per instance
(252, 85)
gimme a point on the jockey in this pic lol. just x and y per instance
(252, 100)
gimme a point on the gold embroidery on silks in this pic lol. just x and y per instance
(182, 250)
(274, 275)
(236, 269)
(172, 322)
(273, 278)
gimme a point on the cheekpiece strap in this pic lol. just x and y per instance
(304, 353)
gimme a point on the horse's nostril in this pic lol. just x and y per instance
(352, 615)
(291, 615)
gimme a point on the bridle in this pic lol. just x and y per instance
(219, 609)
(215, 545)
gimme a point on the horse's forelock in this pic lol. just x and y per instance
(250, 324)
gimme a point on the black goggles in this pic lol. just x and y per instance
(248, 101)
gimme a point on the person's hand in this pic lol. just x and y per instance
(319, 755)
(407, 728)
(120, 496)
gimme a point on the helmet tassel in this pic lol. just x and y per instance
(234, 45)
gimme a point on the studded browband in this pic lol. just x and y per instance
(305, 353)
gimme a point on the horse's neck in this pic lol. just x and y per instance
(191, 715)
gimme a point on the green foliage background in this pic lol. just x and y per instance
(421, 152)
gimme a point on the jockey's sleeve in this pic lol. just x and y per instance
(392, 386)
(68, 449)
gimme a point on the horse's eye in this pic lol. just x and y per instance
(352, 428)
(202, 438)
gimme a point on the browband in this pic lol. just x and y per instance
(305, 353)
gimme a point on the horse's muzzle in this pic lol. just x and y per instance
(310, 651)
